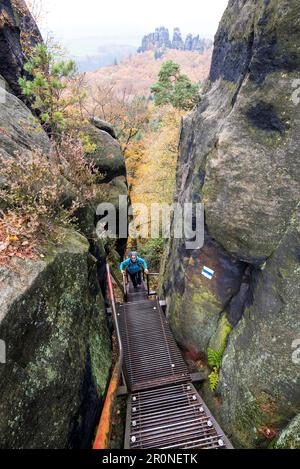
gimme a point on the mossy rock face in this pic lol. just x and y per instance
(258, 37)
(239, 149)
(260, 377)
(252, 176)
(219, 340)
(195, 303)
(239, 155)
(14, 17)
(290, 437)
(58, 350)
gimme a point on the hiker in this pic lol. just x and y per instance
(134, 265)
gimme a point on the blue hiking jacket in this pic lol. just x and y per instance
(134, 267)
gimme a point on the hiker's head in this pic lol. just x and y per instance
(133, 256)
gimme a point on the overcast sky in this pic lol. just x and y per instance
(77, 22)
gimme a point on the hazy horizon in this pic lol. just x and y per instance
(83, 31)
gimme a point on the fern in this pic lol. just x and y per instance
(215, 358)
(215, 362)
(214, 379)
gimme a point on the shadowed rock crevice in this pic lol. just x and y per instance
(82, 429)
(263, 116)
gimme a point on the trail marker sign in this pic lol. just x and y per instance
(208, 273)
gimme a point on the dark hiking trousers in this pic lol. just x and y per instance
(136, 278)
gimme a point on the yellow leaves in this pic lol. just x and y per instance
(11, 244)
(12, 238)
(151, 163)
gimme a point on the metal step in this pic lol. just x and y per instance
(173, 417)
(151, 355)
(164, 410)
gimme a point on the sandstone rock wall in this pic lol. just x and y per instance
(15, 22)
(52, 319)
(239, 155)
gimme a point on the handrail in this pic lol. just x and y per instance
(120, 286)
(104, 428)
(114, 309)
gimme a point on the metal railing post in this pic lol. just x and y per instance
(148, 284)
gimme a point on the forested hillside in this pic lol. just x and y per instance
(138, 73)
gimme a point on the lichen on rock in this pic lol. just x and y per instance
(58, 350)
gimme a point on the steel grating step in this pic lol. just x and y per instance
(172, 417)
(151, 355)
(136, 295)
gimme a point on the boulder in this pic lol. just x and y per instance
(103, 125)
(58, 349)
(53, 309)
(108, 157)
(19, 129)
(290, 437)
(195, 303)
(260, 377)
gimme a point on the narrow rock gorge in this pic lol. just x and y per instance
(239, 155)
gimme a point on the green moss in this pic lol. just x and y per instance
(237, 32)
(219, 340)
(216, 350)
(290, 437)
(65, 352)
(175, 309)
(206, 301)
(100, 351)
(283, 20)
(209, 191)
(230, 86)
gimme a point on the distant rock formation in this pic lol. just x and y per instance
(177, 42)
(160, 39)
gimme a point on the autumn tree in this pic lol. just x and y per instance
(127, 113)
(174, 88)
